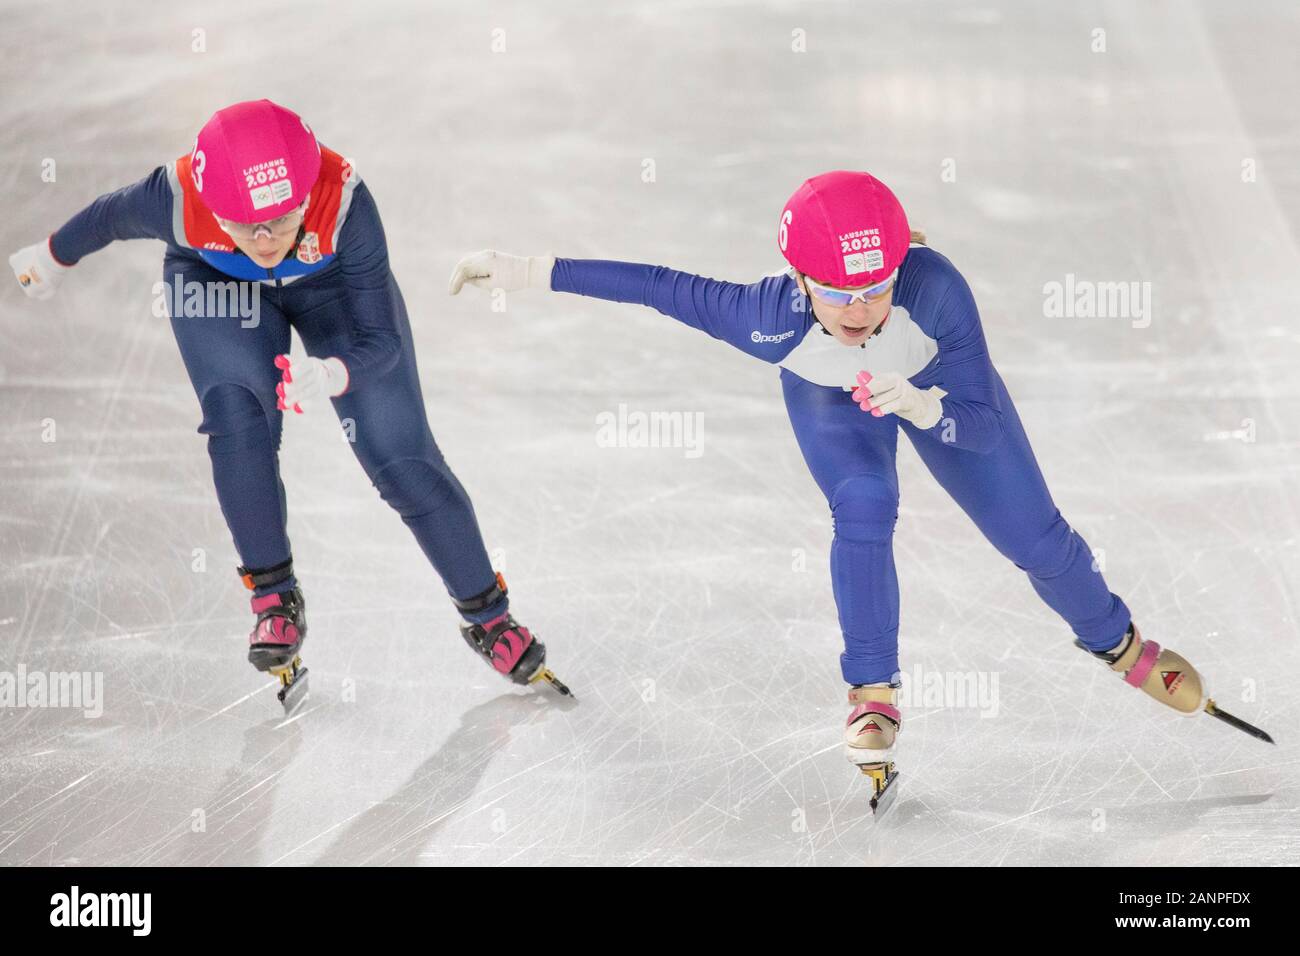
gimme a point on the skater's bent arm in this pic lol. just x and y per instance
(142, 210)
(372, 293)
(750, 317)
(972, 414)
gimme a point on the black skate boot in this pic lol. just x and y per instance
(503, 642)
(276, 638)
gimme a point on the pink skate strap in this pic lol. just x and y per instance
(509, 647)
(274, 630)
(260, 604)
(1146, 660)
(876, 707)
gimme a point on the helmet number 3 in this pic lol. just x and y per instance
(197, 162)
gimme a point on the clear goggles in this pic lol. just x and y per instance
(276, 228)
(839, 298)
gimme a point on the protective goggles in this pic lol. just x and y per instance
(276, 228)
(839, 298)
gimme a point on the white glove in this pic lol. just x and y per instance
(37, 271)
(891, 394)
(308, 378)
(490, 269)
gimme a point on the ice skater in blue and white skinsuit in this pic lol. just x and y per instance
(876, 333)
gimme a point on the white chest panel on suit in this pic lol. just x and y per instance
(900, 346)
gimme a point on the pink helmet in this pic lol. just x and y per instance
(254, 161)
(844, 229)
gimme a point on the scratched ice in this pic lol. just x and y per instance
(667, 585)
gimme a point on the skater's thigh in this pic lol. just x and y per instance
(839, 441)
(319, 309)
(1003, 491)
(324, 315)
(224, 352)
(385, 421)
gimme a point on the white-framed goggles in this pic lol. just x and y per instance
(839, 298)
(276, 228)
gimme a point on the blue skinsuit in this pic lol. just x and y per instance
(977, 452)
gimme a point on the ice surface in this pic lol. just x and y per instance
(666, 586)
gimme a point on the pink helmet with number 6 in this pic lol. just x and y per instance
(254, 161)
(844, 229)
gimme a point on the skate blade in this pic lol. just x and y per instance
(884, 785)
(1213, 710)
(293, 686)
(546, 675)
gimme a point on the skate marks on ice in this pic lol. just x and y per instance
(335, 808)
(241, 810)
(934, 827)
(395, 831)
(1128, 815)
(724, 767)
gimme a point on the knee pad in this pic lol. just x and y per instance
(234, 420)
(413, 487)
(864, 508)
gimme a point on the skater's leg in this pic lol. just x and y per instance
(1004, 493)
(851, 457)
(232, 369)
(391, 438)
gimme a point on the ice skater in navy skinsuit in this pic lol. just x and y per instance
(258, 199)
(875, 333)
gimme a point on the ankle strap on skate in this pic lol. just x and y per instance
(483, 601)
(1147, 657)
(483, 637)
(874, 693)
(1115, 653)
(888, 711)
(278, 604)
(254, 578)
(494, 629)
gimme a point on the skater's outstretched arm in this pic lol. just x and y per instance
(747, 316)
(769, 318)
(142, 210)
(765, 319)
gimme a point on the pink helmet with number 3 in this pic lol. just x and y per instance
(254, 161)
(844, 229)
